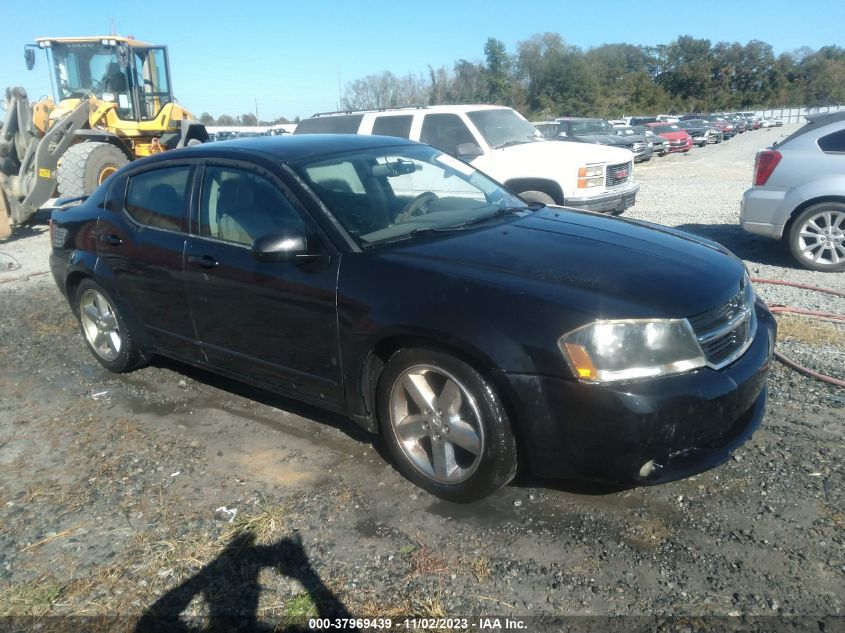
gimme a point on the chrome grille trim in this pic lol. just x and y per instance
(611, 179)
(726, 332)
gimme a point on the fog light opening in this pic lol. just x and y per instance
(650, 469)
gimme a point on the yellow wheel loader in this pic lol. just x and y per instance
(113, 103)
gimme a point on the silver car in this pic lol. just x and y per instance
(799, 193)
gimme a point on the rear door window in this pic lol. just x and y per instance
(393, 126)
(157, 198)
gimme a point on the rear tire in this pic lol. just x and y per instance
(817, 237)
(445, 426)
(105, 330)
(85, 166)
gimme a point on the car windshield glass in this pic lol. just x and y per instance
(387, 194)
(663, 129)
(504, 127)
(624, 131)
(585, 128)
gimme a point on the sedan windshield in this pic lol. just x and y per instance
(392, 193)
(504, 127)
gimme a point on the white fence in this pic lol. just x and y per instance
(796, 114)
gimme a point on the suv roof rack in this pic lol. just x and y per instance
(418, 106)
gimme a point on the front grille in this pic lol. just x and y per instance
(617, 174)
(726, 331)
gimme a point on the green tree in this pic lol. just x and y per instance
(206, 119)
(226, 120)
(497, 72)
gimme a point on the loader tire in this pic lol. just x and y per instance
(85, 166)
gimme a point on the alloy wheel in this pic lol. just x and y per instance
(99, 322)
(821, 239)
(437, 423)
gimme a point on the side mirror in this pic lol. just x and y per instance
(288, 246)
(468, 151)
(29, 56)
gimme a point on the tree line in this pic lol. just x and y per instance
(546, 77)
(245, 119)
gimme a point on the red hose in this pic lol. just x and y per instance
(823, 316)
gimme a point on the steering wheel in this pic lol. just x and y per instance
(416, 207)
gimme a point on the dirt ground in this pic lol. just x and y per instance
(172, 491)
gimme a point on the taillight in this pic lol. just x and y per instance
(764, 165)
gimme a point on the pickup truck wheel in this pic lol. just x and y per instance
(444, 425)
(536, 196)
(817, 237)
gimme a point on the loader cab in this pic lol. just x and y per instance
(133, 75)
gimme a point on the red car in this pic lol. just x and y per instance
(679, 140)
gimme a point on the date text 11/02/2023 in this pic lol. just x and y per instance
(460, 624)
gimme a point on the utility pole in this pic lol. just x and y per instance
(256, 111)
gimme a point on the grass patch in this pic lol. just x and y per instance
(30, 598)
(480, 568)
(301, 606)
(263, 524)
(810, 331)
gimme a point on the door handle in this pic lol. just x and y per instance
(108, 238)
(206, 261)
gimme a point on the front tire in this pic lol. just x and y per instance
(85, 166)
(817, 237)
(105, 330)
(537, 196)
(445, 426)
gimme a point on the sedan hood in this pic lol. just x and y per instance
(675, 136)
(626, 265)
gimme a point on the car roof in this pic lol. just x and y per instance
(577, 118)
(286, 147)
(411, 109)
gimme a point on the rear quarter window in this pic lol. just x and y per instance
(346, 124)
(833, 142)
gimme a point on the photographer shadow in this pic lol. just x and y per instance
(231, 588)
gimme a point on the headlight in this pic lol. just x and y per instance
(609, 351)
(590, 176)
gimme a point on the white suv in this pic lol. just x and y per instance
(499, 141)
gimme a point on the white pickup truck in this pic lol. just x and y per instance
(500, 142)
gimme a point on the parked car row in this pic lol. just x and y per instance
(644, 137)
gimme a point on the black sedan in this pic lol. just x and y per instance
(385, 280)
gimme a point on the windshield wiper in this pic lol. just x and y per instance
(498, 213)
(430, 230)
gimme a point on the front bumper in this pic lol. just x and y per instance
(762, 211)
(643, 432)
(615, 200)
(683, 146)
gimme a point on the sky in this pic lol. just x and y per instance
(293, 58)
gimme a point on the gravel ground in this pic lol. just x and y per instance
(170, 490)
